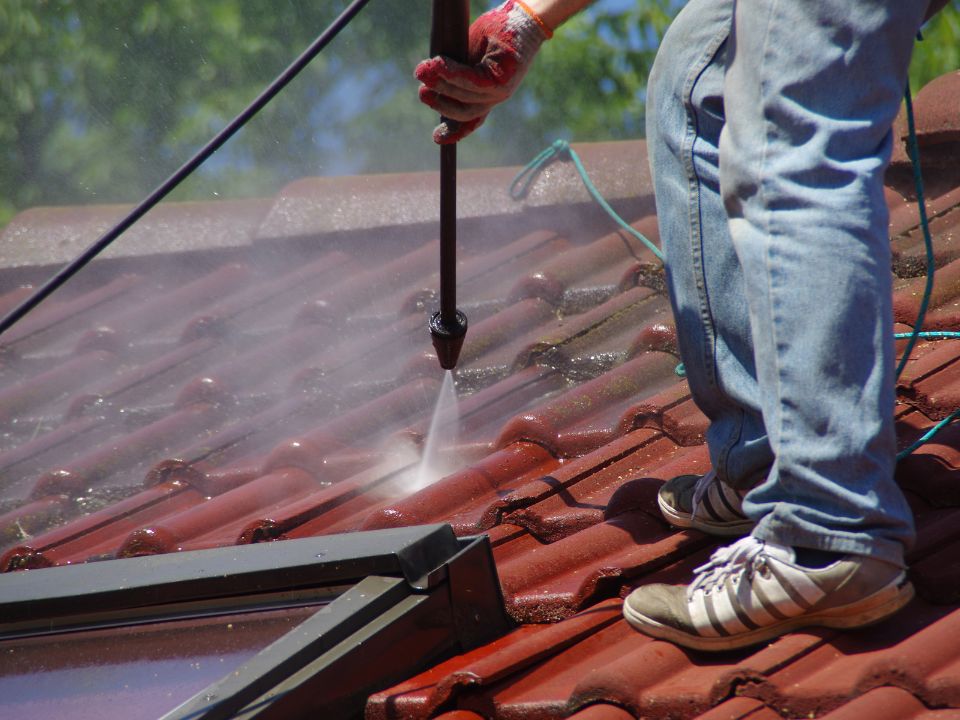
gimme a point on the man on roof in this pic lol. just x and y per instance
(768, 132)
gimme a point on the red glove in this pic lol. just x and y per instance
(503, 43)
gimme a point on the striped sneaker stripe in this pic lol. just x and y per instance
(799, 585)
(761, 609)
(708, 507)
(719, 504)
(735, 608)
(728, 496)
(718, 626)
(779, 597)
(735, 599)
(703, 617)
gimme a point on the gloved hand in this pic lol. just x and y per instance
(503, 43)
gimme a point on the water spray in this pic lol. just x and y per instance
(448, 326)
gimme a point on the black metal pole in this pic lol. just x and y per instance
(448, 233)
(168, 185)
(448, 327)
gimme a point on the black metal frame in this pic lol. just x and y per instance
(401, 600)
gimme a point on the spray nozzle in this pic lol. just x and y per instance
(447, 335)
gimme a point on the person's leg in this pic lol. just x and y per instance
(811, 90)
(685, 114)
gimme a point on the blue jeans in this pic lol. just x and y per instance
(769, 130)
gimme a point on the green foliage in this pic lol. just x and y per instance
(101, 100)
(939, 51)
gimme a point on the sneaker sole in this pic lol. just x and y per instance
(733, 528)
(868, 611)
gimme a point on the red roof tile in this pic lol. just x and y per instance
(234, 401)
(102, 532)
(936, 120)
(547, 673)
(888, 703)
(602, 712)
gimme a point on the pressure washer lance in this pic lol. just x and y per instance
(448, 326)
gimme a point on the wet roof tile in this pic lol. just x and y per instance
(574, 506)
(133, 450)
(101, 532)
(223, 516)
(472, 499)
(285, 390)
(513, 654)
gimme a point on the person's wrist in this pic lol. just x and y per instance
(526, 31)
(555, 13)
(536, 17)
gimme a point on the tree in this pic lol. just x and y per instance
(102, 100)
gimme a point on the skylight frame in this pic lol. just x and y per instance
(375, 587)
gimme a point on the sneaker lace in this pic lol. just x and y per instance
(702, 487)
(744, 556)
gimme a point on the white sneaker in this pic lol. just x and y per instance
(704, 503)
(754, 591)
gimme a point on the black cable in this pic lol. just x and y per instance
(168, 185)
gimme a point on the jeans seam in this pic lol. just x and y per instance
(709, 351)
(768, 252)
(693, 186)
(723, 457)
